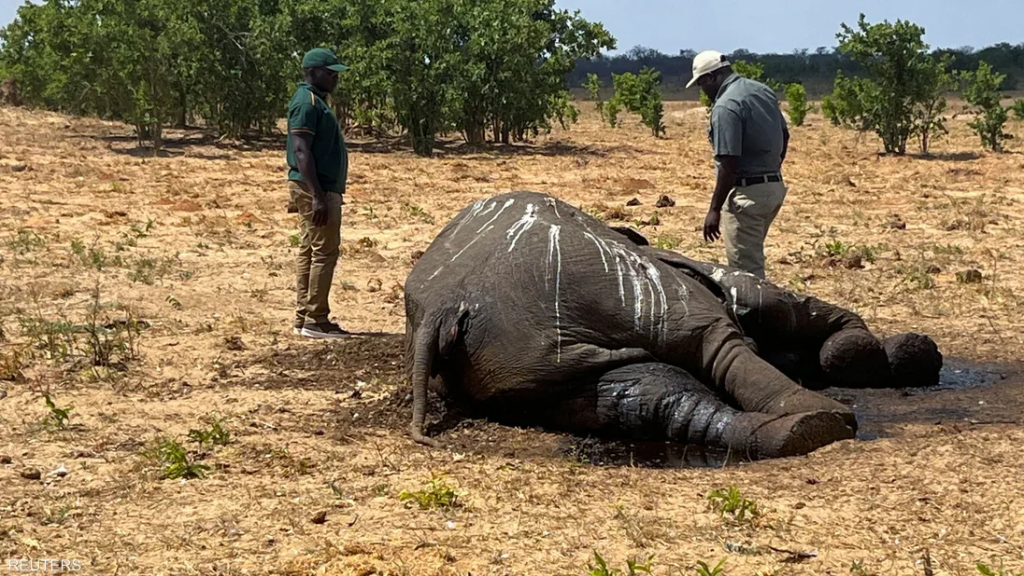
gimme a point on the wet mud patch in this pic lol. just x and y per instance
(975, 393)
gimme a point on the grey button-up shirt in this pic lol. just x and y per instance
(746, 121)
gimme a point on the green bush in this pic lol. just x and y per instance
(981, 90)
(796, 95)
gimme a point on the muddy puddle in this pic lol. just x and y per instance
(968, 392)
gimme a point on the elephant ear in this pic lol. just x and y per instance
(452, 328)
(634, 236)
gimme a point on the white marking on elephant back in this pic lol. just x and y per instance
(551, 202)
(473, 212)
(508, 203)
(522, 225)
(718, 274)
(654, 276)
(735, 296)
(555, 253)
(684, 297)
(600, 247)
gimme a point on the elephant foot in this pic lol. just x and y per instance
(761, 436)
(915, 360)
(854, 358)
(802, 401)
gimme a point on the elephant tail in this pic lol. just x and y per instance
(424, 350)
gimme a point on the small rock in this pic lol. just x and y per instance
(853, 261)
(3, 394)
(969, 277)
(235, 343)
(19, 167)
(374, 285)
(320, 517)
(416, 255)
(933, 269)
(60, 472)
(31, 474)
(633, 202)
(4, 459)
(898, 225)
(812, 481)
(665, 202)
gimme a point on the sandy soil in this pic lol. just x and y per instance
(189, 252)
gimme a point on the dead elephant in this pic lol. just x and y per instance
(528, 311)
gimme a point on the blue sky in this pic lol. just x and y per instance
(759, 26)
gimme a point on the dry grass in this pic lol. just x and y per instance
(190, 254)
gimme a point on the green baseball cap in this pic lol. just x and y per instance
(322, 57)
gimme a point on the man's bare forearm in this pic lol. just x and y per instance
(724, 183)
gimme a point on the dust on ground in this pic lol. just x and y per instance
(185, 259)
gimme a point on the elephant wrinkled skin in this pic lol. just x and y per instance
(530, 312)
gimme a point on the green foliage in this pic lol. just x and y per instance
(796, 95)
(704, 570)
(175, 462)
(729, 501)
(986, 571)
(437, 494)
(593, 87)
(419, 67)
(59, 417)
(632, 566)
(901, 96)
(1018, 108)
(981, 89)
(638, 94)
(216, 435)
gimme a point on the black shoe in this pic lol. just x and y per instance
(324, 330)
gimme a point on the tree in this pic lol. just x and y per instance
(903, 79)
(982, 91)
(639, 93)
(796, 95)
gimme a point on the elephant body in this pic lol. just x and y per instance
(528, 311)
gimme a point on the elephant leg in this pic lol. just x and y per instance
(854, 358)
(757, 386)
(655, 401)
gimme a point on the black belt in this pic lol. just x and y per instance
(763, 179)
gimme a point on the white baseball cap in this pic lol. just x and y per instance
(706, 62)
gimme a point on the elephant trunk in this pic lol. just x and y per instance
(423, 356)
(757, 386)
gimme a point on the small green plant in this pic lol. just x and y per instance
(729, 501)
(632, 566)
(175, 462)
(593, 86)
(916, 276)
(26, 241)
(216, 435)
(294, 240)
(703, 569)
(421, 214)
(667, 242)
(836, 249)
(796, 95)
(59, 417)
(437, 494)
(1018, 108)
(858, 569)
(986, 571)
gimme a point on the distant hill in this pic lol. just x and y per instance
(815, 70)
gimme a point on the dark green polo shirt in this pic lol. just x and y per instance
(746, 121)
(308, 113)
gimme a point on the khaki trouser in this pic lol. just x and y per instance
(746, 217)
(319, 249)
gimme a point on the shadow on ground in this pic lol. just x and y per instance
(367, 375)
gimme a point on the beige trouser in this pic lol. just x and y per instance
(746, 217)
(318, 255)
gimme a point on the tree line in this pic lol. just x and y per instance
(815, 69)
(419, 68)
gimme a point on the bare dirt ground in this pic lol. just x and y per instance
(189, 254)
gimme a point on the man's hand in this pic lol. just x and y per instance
(320, 214)
(712, 223)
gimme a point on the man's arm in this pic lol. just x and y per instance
(785, 140)
(727, 141)
(302, 125)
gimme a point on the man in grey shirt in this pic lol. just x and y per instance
(749, 137)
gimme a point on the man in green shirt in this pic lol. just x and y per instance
(317, 172)
(750, 138)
